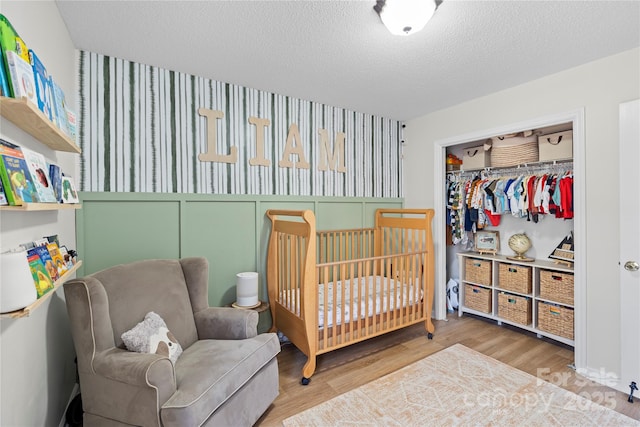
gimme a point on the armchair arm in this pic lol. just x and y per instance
(226, 323)
(137, 369)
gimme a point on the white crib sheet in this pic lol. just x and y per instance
(401, 294)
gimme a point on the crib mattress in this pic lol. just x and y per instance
(383, 294)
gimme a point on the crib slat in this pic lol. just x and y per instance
(282, 260)
(355, 317)
(387, 287)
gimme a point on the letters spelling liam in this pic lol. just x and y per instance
(329, 159)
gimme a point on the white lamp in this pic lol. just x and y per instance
(17, 289)
(247, 289)
(405, 17)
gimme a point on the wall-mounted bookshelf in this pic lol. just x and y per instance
(30, 119)
(41, 207)
(25, 312)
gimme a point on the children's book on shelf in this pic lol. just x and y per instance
(22, 80)
(39, 175)
(52, 239)
(15, 176)
(4, 79)
(3, 198)
(40, 242)
(56, 180)
(69, 193)
(59, 106)
(73, 124)
(43, 84)
(40, 275)
(10, 41)
(68, 260)
(43, 253)
(56, 257)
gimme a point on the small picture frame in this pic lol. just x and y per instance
(487, 242)
(69, 193)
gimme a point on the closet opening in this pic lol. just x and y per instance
(496, 158)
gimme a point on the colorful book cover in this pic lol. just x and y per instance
(69, 193)
(21, 48)
(3, 198)
(66, 256)
(4, 79)
(59, 106)
(73, 124)
(43, 253)
(41, 278)
(40, 242)
(39, 175)
(43, 88)
(10, 41)
(15, 176)
(56, 180)
(22, 79)
(56, 257)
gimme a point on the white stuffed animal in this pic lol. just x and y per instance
(164, 343)
(152, 336)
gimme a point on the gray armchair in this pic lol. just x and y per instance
(226, 375)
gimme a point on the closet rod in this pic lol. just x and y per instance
(518, 169)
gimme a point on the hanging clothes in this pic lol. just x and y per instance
(479, 200)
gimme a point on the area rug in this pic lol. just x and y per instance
(459, 386)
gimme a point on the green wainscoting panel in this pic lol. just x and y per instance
(116, 232)
(232, 232)
(370, 212)
(334, 216)
(224, 232)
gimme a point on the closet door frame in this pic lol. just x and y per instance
(576, 117)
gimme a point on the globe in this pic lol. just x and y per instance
(520, 244)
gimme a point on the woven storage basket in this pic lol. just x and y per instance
(514, 308)
(556, 286)
(513, 277)
(513, 151)
(555, 319)
(477, 298)
(477, 271)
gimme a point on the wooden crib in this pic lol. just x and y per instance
(331, 289)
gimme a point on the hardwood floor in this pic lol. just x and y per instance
(345, 369)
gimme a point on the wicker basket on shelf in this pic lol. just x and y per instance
(478, 271)
(514, 150)
(555, 319)
(477, 298)
(556, 286)
(513, 277)
(514, 308)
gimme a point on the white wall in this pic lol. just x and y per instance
(599, 87)
(36, 353)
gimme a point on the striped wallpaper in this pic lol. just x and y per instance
(140, 131)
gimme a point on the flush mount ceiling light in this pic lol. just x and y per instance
(405, 17)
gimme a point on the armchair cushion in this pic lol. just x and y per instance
(152, 336)
(135, 369)
(226, 323)
(203, 388)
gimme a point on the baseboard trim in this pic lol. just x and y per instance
(608, 379)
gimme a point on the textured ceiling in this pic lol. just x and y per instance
(339, 53)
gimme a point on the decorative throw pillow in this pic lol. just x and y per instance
(152, 336)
